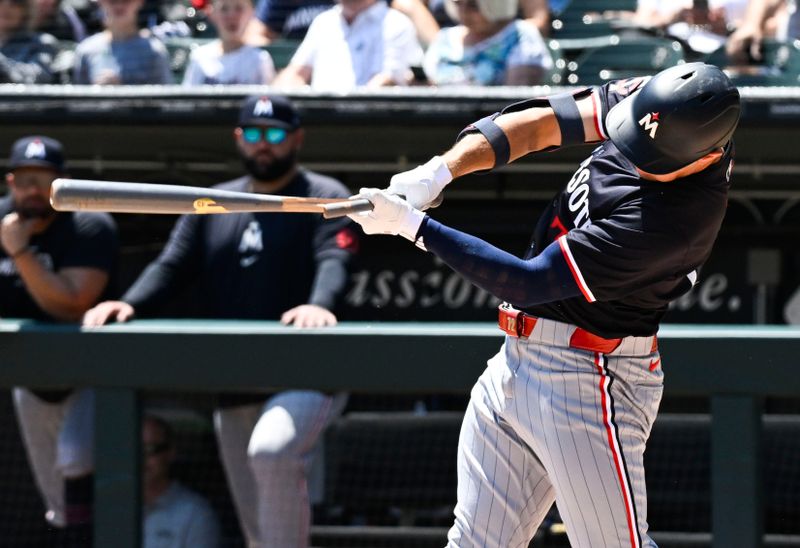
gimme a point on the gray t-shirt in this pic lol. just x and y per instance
(142, 59)
(180, 518)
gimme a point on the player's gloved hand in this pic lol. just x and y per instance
(422, 185)
(390, 215)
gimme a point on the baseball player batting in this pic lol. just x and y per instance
(564, 410)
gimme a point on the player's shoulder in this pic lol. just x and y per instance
(93, 43)
(323, 186)
(240, 184)
(91, 224)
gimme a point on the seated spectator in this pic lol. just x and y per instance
(703, 26)
(421, 17)
(26, 57)
(58, 18)
(288, 19)
(228, 60)
(123, 53)
(174, 516)
(537, 13)
(763, 19)
(489, 47)
(356, 43)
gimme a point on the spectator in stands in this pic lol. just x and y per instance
(60, 19)
(288, 19)
(421, 17)
(122, 53)
(174, 516)
(490, 47)
(53, 267)
(26, 57)
(355, 43)
(260, 266)
(228, 60)
(703, 26)
(537, 13)
(763, 18)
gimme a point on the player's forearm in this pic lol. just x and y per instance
(293, 76)
(529, 130)
(153, 287)
(54, 294)
(521, 282)
(329, 281)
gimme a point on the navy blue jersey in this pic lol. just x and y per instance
(251, 265)
(73, 240)
(633, 245)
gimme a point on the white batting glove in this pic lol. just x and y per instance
(390, 215)
(422, 185)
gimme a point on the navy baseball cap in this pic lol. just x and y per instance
(37, 151)
(268, 110)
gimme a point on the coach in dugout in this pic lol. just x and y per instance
(260, 266)
(53, 267)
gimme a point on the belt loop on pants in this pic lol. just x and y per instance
(518, 324)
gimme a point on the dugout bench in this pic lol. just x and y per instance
(735, 366)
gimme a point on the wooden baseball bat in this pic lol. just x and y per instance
(123, 197)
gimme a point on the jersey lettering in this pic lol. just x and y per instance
(578, 193)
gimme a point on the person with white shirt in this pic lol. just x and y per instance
(228, 60)
(355, 43)
(174, 516)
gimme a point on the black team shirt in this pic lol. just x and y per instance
(73, 240)
(253, 265)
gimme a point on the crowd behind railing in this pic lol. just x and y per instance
(339, 45)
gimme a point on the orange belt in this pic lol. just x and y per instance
(518, 324)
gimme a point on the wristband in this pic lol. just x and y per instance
(441, 173)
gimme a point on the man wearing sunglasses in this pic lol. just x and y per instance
(53, 267)
(174, 516)
(263, 266)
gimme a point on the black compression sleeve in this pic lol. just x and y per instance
(178, 264)
(152, 288)
(329, 281)
(520, 282)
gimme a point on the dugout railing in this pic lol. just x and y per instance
(736, 367)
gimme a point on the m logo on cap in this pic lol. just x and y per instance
(650, 123)
(263, 107)
(35, 149)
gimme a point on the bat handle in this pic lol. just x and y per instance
(345, 207)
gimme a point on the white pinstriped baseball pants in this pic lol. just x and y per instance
(546, 423)
(267, 452)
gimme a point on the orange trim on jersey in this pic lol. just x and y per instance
(616, 452)
(573, 267)
(598, 112)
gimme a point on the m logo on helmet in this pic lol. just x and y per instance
(650, 123)
(35, 149)
(263, 107)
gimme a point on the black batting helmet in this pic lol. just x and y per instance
(679, 116)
